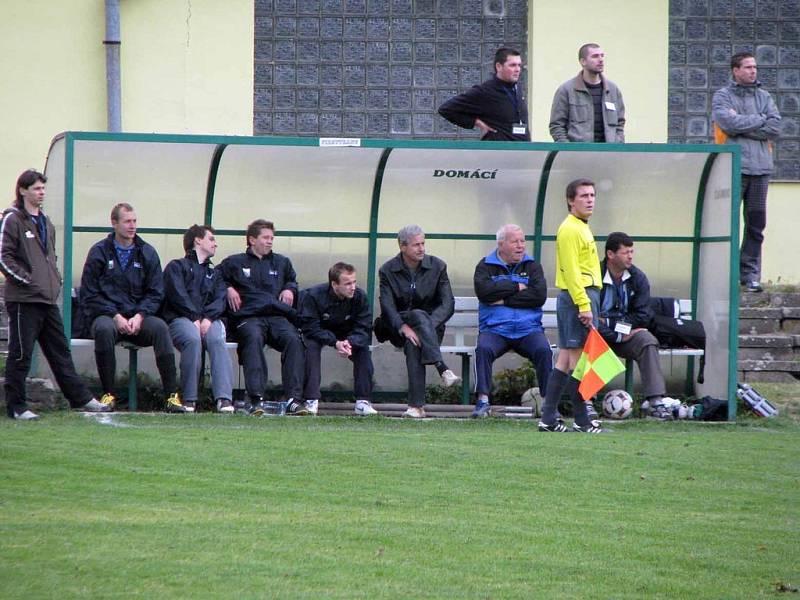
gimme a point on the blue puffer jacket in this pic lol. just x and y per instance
(521, 310)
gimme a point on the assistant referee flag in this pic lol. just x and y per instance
(597, 366)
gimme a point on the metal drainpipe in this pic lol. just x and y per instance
(112, 44)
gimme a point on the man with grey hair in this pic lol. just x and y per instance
(511, 289)
(588, 107)
(416, 302)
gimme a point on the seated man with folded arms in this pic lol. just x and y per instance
(337, 314)
(193, 307)
(416, 302)
(511, 289)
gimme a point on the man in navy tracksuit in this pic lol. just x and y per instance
(262, 291)
(511, 289)
(337, 314)
(193, 308)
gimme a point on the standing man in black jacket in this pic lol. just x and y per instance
(337, 314)
(32, 288)
(416, 302)
(262, 291)
(625, 313)
(193, 307)
(497, 106)
(122, 288)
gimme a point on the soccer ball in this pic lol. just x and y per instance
(617, 404)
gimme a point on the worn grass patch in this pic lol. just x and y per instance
(206, 506)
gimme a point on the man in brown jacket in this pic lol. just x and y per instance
(32, 288)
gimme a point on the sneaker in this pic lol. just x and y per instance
(594, 426)
(557, 427)
(753, 286)
(660, 412)
(26, 415)
(415, 412)
(256, 408)
(189, 405)
(109, 400)
(449, 378)
(482, 409)
(312, 406)
(364, 408)
(95, 405)
(295, 407)
(174, 404)
(224, 406)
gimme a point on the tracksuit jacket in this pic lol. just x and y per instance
(632, 305)
(30, 270)
(491, 102)
(259, 282)
(193, 290)
(521, 312)
(107, 290)
(326, 318)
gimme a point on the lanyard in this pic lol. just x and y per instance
(512, 95)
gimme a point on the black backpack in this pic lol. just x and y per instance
(672, 331)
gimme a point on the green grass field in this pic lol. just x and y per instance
(205, 506)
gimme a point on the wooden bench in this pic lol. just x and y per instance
(464, 323)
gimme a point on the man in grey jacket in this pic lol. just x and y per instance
(589, 107)
(746, 114)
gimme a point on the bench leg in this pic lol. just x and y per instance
(629, 376)
(465, 373)
(133, 368)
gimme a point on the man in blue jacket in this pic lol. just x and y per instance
(511, 289)
(337, 314)
(122, 288)
(193, 307)
(262, 292)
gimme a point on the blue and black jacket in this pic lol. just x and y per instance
(193, 290)
(628, 301)
(107, 289)
(327, 319)
(259, 282)
(521, 311)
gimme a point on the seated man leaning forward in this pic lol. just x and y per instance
(337, 314)
(193, 307)
(625, 313)
(416, 302)
(512, 289)
(262, 288)
(122, 288)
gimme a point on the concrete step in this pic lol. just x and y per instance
(770, 340)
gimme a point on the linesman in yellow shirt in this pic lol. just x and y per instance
(577, 307)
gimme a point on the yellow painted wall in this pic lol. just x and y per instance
(780, 261)
(635, 38)
(187, 67)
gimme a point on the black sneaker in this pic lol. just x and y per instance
(557, 427)
(660, 412)
(296, 407)
(594, 426)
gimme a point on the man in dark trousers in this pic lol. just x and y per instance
(32, 288)
(511, 289)
(416, 302)
(122, 288)
(337, 314)
(262, 291)
(625, 313)
(193, 308)
(497, 106)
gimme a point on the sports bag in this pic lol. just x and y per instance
(672, 331)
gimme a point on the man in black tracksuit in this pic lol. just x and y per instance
(32, 288)
(337, 314)
(122, 288)
(262, 292)
(496, 106)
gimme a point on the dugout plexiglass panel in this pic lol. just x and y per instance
(345, 200)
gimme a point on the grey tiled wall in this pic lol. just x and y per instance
(374, 68)
(702, 37)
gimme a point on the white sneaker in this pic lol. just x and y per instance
(95, 405)
(364, 408)
(449, 378)
(415, 412)
(312, 406)
(26, 416)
